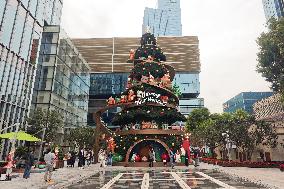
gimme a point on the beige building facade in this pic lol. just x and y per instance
(271, 110)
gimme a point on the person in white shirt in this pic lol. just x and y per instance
(177, 157)
(102, 158)
(49, 160)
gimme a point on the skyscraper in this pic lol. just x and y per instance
(21, 27)
(273, 8)
(165, 20)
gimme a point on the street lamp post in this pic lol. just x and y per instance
(227, 144)
(41, 142)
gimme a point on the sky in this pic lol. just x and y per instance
(227, 32)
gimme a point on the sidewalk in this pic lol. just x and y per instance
(269, 177)
(61, 177)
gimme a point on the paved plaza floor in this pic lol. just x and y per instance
(163, 179)
(204, 177)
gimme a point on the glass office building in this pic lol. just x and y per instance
(20, 33)
(190, 88)
(104, 85)
(244, 101)
(62, 78)
(273, 8)
(165, 20)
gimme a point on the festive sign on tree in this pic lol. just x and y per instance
(147, 97)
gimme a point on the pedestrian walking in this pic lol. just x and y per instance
(81, 157)
(49, 158)
(102, 158)
(88, 158)
(177, 157)
(72, 159)
(92, 156)
(151, 157)
(186, 159)
(29, 161)
(172, 158)
(196, 154)
(68, 158)
(110, 158)
(10, 164)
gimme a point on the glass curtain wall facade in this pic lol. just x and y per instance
(244, 101)
(62, 78)
(189, 86)
(165, 20)
(273, 8)
(103, 86)
(21, 26)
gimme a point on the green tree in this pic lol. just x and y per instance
(51, 120)
(271, 54)
(196, 118)
(243, 130)
(83, 136)
(176, 90)
(247, 133)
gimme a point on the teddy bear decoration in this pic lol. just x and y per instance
(166, 81)
(131, 54)
(144, 79)
(131, 95)
(111, 101)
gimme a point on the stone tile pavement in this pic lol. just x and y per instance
(61, 177)
(270, 178)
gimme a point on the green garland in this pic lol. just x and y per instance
(137, 114)
(143, 69)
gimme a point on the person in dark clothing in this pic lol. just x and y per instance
(186, 158)
(109, 157)
(29, 161)
(81, 157)
(151, 157)
(72, 159)
(196, 154)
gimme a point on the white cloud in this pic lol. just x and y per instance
(227, 30)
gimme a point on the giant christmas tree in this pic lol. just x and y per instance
(150, 102)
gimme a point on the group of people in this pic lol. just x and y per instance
(105, 158)
(172, 157)
(85, 156)
(28, 163)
